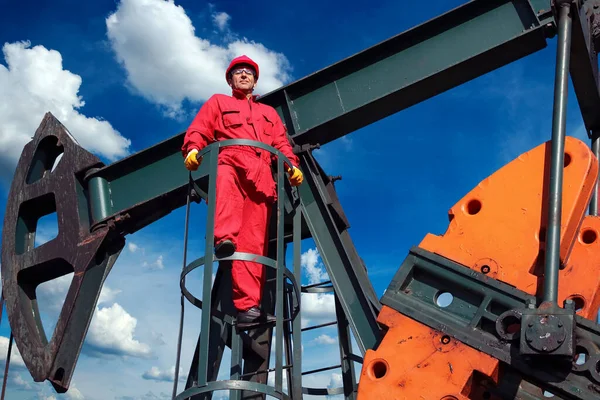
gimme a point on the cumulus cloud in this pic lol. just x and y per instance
(156, 374)
(132, 247)
(17, 381)
(156, 265)
(309, 261)
(52, 293)
(112, 332)
(15, 356)
(316, 307)
(34, 82)
(221, 19)
(324, 339)
(167, 63)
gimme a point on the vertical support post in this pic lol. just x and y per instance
(10, 342)
(552, 262)
(182, 300)
(236, 363)
(279, 283)
(208, 264)
(348, 376)
(297, 324)
(596, 151)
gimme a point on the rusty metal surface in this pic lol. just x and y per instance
(35, 190)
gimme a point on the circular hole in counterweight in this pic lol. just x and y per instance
(567, 160)
(444, 299)
(485, 269)
(378, 369)
(589, 236)
(473, 206)
(445, 339)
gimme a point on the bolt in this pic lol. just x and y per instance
(560, 340)
(560, 324)
(530, 324)
(570, 304)
(545, 348)
(529, 340)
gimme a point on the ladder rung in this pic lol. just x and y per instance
(264, 371)
(316, 284)
(354, 357)
(318, 326)
(314, 371)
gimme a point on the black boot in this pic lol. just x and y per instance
(254, 315)
(225, 248)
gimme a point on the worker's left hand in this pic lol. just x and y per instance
(296, 176)
(192, 161)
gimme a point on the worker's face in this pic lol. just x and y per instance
(243, 78)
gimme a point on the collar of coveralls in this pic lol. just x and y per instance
(239, 94)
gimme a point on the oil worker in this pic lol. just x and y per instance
(245, 186)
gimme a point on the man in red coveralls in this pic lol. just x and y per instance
(245, 187)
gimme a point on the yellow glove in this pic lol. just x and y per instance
(296, 176)
(191, 162)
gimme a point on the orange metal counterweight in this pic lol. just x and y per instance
(500, 224)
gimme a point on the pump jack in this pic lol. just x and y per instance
(519, 256)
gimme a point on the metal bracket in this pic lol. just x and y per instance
(548, 330)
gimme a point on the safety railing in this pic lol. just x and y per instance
(287, 299)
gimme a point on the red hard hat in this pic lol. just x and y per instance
(241, 60)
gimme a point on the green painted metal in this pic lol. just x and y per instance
(297, 323)
(217, 326)
(99, 198)
(341, 271)
(559, 132)
(280, 278)
(345, 346)
(411, 67)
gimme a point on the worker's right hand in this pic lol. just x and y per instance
(191, 162)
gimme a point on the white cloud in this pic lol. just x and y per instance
(112, 331)
(221, 19)
(15, 356)
(316, 306)
(132, 247)
(18, 381)
(335, 381)
(107, 295)
(156, 265)
(324, 339)
(310, 262)
(33, 83)
(52, 293)
(156, 374)
(167, 63)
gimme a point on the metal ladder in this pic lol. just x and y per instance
(251, 347)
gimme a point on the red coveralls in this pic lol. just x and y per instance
(245, 186)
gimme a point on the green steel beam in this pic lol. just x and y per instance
(413, 66)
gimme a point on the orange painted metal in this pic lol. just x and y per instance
(499, 224)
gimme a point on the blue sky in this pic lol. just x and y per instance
(142, 68)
